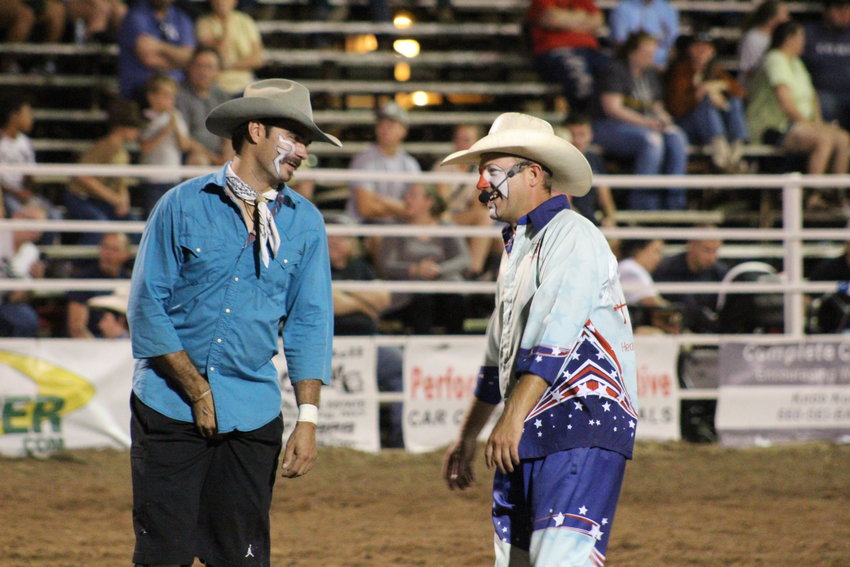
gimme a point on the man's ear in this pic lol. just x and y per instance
(255, 131)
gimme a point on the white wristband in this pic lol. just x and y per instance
(308, 412)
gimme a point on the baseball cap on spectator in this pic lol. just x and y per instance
(116, 302)
(392, 111)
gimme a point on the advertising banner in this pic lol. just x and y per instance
(439, 379)
(348, 416)
(658, 389)
(64, 394)
(796, 391)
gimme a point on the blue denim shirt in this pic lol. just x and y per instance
(198, 285)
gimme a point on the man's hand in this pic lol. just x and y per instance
(457, 464)
(203, 410)
(301, 451)
(502, 449)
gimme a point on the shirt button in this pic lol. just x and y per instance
(285, 261)
(197, 249)
(218, 340)
(212, 368)
(236, 279)
(227, 310)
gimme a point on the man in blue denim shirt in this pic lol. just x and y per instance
(560, 353)
(225, 259)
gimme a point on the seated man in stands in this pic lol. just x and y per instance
(16, 148)
(464, 208)
(599, 201)
(105, 198)
(827, 57)
(566, 48)
(155, 37)
(382, 201)
(698, 263)
(110, 312)
(112, 263)
(429, 258)
(21, 259)
(196, 97)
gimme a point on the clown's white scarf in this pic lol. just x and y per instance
(266, 228)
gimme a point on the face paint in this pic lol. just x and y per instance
(498, 180)
(285, 148)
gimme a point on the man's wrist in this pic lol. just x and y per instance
(308, 413)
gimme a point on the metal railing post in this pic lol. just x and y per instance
(792, 224)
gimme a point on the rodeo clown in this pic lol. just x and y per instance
(560, 354)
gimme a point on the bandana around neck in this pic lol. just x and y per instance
(266, 228)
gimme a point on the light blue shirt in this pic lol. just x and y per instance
(657, 18)
(198, 285)
(560, 314)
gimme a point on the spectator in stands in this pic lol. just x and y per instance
(197, 96)
(112, 263)
(20, 17)
(464, 208)
(698, 263)
(599, 201)
(832, 310)
(657, 18)
(164, 138)
(429, 258)
(16, 121)
(101, 18)
(566, 50)
(640, 257)
(783, 110)
(633, 123)
(827, 57)
(382, 201)
(355, 313)
(707, 102)
(237, 39)
(358, 313)
(650, 312)
(105, 198)
(110, 312)
(21, 259)
(758, 29)
(155, 37)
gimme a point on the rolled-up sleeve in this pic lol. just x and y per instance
(308, 330)
(156, 268)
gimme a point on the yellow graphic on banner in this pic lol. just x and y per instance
(59, 392)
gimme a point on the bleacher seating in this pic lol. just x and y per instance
(474, 68)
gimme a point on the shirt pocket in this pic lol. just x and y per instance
(283, 270)
(202, 259)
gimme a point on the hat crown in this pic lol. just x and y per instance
(283, 90)
(517, 121)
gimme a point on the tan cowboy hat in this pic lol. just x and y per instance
(534, 139)
(269, 98)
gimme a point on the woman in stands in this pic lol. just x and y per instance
(633, 123)
(707, 102)
(758, 29)
(783, 110)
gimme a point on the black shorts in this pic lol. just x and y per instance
(198, 498)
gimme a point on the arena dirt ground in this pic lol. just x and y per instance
(683, 505)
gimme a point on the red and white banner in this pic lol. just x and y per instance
(439, 380)
(658, 389)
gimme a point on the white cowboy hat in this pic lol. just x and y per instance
(534, 139)
(269, 98)
(114, 302)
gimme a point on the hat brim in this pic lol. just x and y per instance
(226, 117)
(570, 170)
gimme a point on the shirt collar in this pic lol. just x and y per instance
(540, 216)
(220, 179)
